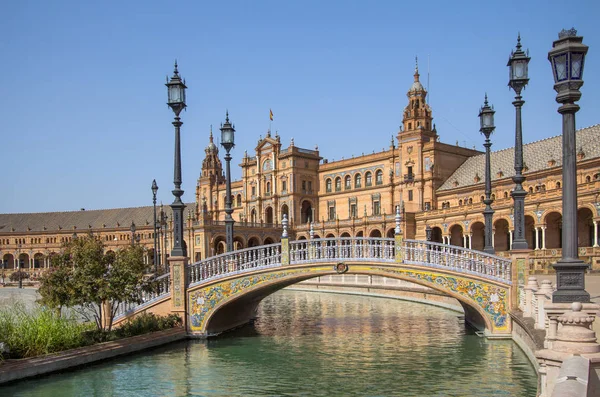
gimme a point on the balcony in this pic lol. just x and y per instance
(409, 177)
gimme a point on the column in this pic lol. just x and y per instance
(464, 240)
(510, 240)
(470, 240)
(543, 237)
(595, 233)
(493, 237)
(537, 238)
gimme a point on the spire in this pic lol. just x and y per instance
(417, 68)
(519, 41)
(211, 135)
(485, 102)
(176, 72)
(227, 115)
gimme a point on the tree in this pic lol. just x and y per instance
(95, 282)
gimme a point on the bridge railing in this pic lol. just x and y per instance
(235, 262)
(162, 289)
(457, 258)
(344, 248)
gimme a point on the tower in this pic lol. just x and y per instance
(417, 118)
(211, 177)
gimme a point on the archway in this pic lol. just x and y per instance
(436, 235)
(530, 231)
(375, 233)
(345, 234)
(553, 230)
(390, 233)
(238, 243)
(24, 261)
(359, 234)
(38, 260)
(501, 235)
(456, 236)
(478, 236)
(219, 245)
(253, 242)
(8, 261)
(268, 241)
(585, 227)
(269, 215)
(306, 212)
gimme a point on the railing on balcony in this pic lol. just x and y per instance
(409, 177)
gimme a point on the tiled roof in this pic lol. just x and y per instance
(536, 156)
(82, 220)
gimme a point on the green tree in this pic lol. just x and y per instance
(95, 282)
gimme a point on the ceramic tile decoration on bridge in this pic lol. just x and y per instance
(222, 292)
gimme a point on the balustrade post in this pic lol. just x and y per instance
(398, 240)
(285, 243)
(518, 274)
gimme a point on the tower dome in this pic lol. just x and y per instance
(211, 148)
(416, 86)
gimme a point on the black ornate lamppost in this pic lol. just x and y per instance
(486, 117)
(228, 142)
(518, 79)
(155, 257)
(567, 60)
(19, 265)
(428, 233)
(132, 228)
(176, 90)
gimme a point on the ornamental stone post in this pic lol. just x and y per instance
(399, 243)
(179, 284)
(285, 243)
(519, 273)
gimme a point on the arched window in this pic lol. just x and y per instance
(328, 186)
(481, 199)
(268, 187)
(459, 203)
(358, 181)
(338, 184)
(368, 179)
(379, 177)
(588, 179)
(239, 200)
(531, 189)
(470, 200)
(505, 194)
(347, 182)
(558, 185)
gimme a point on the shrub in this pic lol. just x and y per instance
(147, 322)
(15, 276)
(39, 331)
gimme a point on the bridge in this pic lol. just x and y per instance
(223, 291)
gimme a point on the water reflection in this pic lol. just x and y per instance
(309, 344)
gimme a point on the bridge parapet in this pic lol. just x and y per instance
(162, 290)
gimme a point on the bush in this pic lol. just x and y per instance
(147, 322)
(39, 331)
(14, 277)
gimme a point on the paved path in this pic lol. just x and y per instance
(10, 295)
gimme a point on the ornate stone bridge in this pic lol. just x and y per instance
(222, 292)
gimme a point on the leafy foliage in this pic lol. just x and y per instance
(15, 275)
(94, 282)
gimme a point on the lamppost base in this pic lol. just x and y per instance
(570, 282)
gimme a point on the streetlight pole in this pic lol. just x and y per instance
(567, 60)
(228, 142)
(132, 228)
(176, 90)
(486, 117)
(517, 64)
(19, 265)
(154, 257)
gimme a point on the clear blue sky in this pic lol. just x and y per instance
(84, 120)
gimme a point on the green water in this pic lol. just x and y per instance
(312, 344)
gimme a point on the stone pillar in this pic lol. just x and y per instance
(519, 273)
(285, 243)
(530, 289)
(470, 237)
(574, 337)
(537, 238)
(179, 283)
(595, 233)
(543, 295)
(465, 240)
(543, 237)
(510, 240)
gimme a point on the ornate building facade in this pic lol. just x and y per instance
(436, 184)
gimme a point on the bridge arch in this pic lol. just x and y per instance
(233, 302)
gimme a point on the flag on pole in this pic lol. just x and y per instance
(270, 114)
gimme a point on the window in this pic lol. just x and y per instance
(427, 206)
(410, 126)
(357, 181)
(254, 190)
(331, 211)
(328, 186)
(348, 182)
(309, 186)
(268, 188)
(410, 195)
(379, 177)
(338, 184)
(558, 185)
(304, 186)
(409, 171)
(353, 211)
(239, 200)
(376, 207)
(368, 179)
(284, 186)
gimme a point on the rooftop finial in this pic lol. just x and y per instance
(227, 115)
(211, 134)
(416, 68)
(519, 41)
(176, 72)
(485, 103)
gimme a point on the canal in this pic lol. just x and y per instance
(314, 344)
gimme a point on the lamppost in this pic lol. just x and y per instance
(132, 228)
(227, 141)
(176, 100)
(428, 233)
(19, 265)
(517, 64)
(154, 256)
(486, 117)
(567, 60)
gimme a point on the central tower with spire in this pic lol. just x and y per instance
(417, 118)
